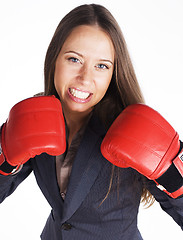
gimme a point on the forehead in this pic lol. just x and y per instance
(89, 39)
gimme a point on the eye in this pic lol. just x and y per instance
(73, 59)
(102, 66)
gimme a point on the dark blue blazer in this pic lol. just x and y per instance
(83, 215)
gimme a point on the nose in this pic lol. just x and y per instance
(86, 74)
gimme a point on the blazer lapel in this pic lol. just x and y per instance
(86, 167)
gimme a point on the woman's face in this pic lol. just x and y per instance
(84, 69)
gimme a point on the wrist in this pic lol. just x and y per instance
(5, 167)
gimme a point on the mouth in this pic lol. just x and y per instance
(79, 96)
(78, 93)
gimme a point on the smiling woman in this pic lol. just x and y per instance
(83, 72)
(94, 156)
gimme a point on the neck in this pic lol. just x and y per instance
(75, 122)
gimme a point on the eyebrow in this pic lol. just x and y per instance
(79, 54)
(106, 60)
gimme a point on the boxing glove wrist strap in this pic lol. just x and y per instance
(172, 180)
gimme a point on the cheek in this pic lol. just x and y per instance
(59, 77)
(57, 81)
(102, 85)
(106, 81)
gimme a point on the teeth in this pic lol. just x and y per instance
(79, 94)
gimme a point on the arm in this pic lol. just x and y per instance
(142, 139)
(9, 183)
(173, 207)
(34, 126)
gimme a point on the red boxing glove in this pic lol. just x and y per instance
(34, 126)
(142, 139)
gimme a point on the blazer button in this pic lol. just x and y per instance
(66, 226)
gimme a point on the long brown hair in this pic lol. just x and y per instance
(124, 88)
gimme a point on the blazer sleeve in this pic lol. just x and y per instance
(174, 207)
(8, 184)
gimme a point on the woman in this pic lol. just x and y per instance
(87, 67)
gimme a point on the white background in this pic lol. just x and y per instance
(154, 33)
